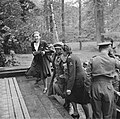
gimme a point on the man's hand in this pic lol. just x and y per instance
(42, 52)
(68, 92)
(118, 93)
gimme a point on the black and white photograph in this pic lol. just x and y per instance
(59, 59)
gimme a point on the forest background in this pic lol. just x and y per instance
(20, 18)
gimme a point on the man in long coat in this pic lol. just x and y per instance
(75, 77)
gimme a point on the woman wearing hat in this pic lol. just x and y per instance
(40, 67)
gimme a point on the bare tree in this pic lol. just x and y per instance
(79, 17)
(46, 14)
(63, 24)
(80, 24)
(53, 26)
(99, 18)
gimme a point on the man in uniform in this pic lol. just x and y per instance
(57, 85)
(57, 71)
(101, 72)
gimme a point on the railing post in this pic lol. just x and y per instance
(80, 44)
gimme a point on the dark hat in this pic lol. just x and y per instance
(58, 45)
(66, 48)
(104, 44)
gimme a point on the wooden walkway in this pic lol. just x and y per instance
(13, 105)
(40, 106)
(23, 101)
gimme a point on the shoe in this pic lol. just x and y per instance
(75, 116)
(45, 90)
(67, 106)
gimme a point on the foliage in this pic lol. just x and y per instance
(22, 17)
(47, 36)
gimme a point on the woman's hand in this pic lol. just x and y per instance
(39, 52)
(35, 53)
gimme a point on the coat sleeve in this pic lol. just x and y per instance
(88, 79)
(32, 46)
(50, 91)
(71, 73)
(117, 63)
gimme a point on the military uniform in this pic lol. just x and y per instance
(101, 71)
(57, 84)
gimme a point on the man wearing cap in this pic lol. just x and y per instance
(101, 72)
(56, 86)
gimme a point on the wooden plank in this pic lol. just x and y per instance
(16, 104)
(13, 73)
(22, 102)
(60, 108)
(52, 111)
(4, 69)
(35, 107)
(10, 102)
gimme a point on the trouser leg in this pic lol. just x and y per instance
(96, 106)
(58, 89)
(107, 109)
(114, 115)
(88, 110)
(75, 114)
(67, 105)
(45, 83)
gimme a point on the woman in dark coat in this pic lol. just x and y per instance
(75, 76)
(40, 67)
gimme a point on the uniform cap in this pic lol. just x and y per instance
(58, 45)
(104, 44)
(36, 32)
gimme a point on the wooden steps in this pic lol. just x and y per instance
(25, 101)
(40, 105)
(16, 104)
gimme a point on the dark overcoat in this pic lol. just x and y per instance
(75, 81)
(40, 66)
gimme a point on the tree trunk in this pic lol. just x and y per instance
(79, 17)
(99, 19)
(63, 25)
(53, 26)
(80, 42)
(46, 14)
(50, 17)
